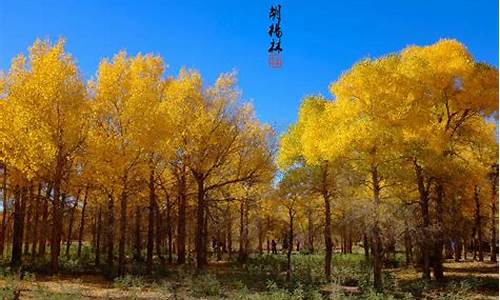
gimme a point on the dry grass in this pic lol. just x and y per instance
(85, 287)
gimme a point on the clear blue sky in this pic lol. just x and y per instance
(321, 38)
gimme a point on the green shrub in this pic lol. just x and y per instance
(128, 281)
(166, 288)
(351, 270)
(460, 290)
(393, 261)
(205, 285)
(272, 264)
(417, 288)
(274, 292)
(68, 264)
(37, 264)
(373, 295)
(308, 269)
(242, 293)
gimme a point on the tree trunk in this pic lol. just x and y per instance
(138, 239)
(328, 239)
(290, 247)
(201, 258)
(478, 224)
(458, 249)
(181, 218)
(229, 231)
(151, 221)
(366, 246)
(159, 233)
(57, 215)
(28, 218)
(71, 221)
(474, 241)
(123, 228)
(456, 243)
(260, 234)
(4, 211)
(82, 224)
(110, 232)
(377, 259)
(98, 238)
(94, 232)
(438, 243)
(424, 207)
(342, 240)
(377, 241)
(34, 238)
(45, 226)
(17, 236)
(465, 246)
(328, 225)
(350, 240)
(494, 189)
(169, 229)
(205, 231)
(310, 231)
(242, 253)
(493, 254)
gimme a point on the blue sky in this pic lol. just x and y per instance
(320, 38)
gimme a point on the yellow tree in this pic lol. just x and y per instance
(365, 126)
(421, 105)
(182, 98)
(451, 96)
(48, 96)
(471, 166)
(295, 146)
(223, 145)
(293, 192)
(152, 131)
(126, 134)
(361, 126)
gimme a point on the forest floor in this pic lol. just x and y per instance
(262, 279)
(463, 280)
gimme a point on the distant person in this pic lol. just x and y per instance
(218, 250)
(214, 244)
(273, 247)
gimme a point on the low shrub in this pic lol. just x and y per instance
(205, 285)
(129, 281)
(393, 261)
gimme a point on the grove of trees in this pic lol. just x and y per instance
(411, 138)
(128, 145)
(139, 167)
